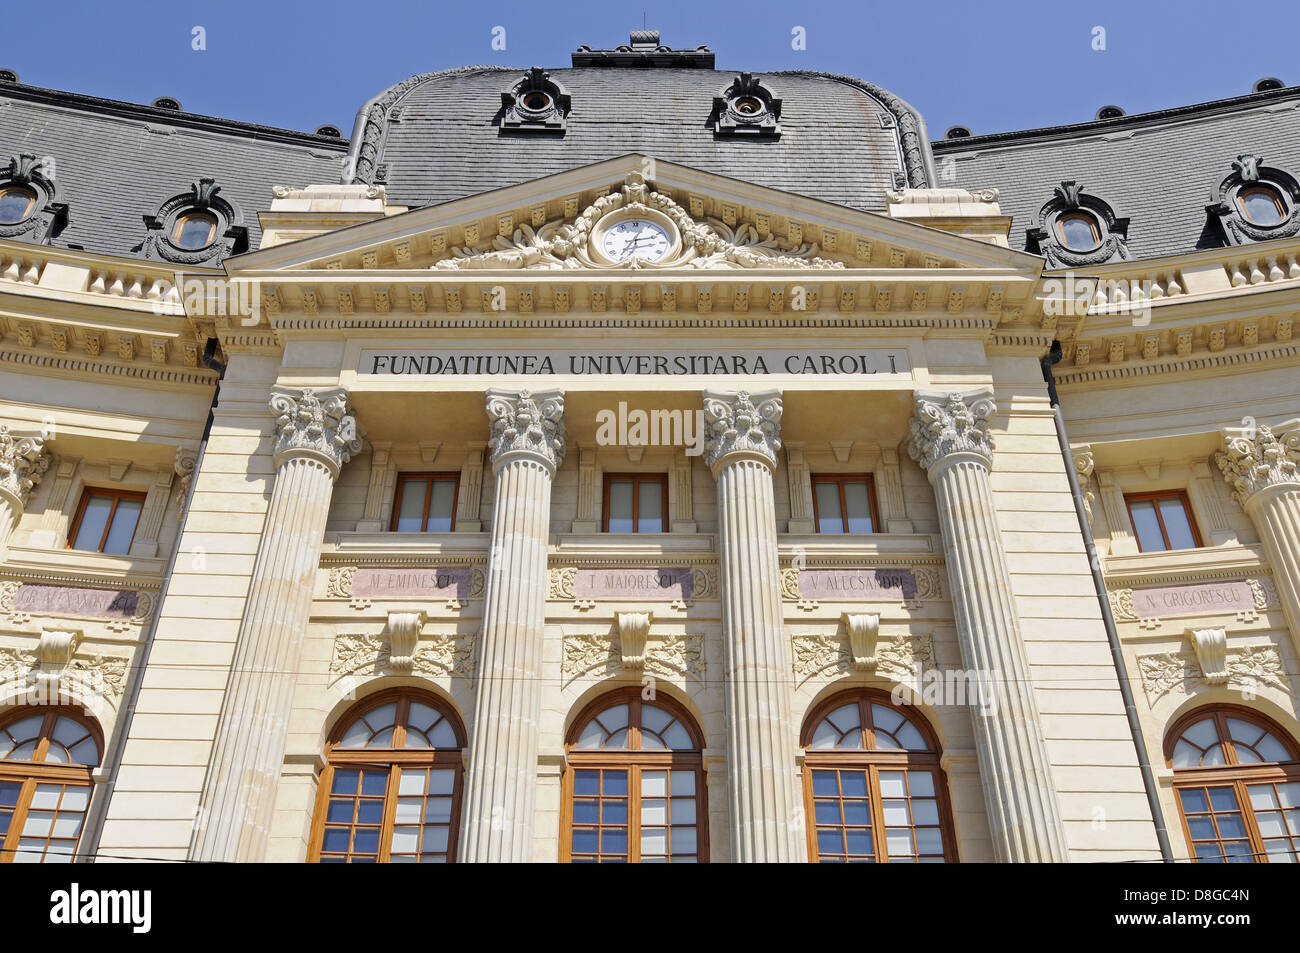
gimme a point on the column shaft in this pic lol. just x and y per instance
(501, 778)
(313, 440)
(501, 784)
(1276, 515)
(951, 440)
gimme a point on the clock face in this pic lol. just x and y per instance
(635, 237)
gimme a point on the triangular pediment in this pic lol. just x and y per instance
(713, 222)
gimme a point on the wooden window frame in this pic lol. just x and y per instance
(1081, 216)
(1233, 773)
(179, 226)
(394, 759)
(429, 476)
(1155, 496)
(637, 479)
(872, 760)
(36, 771)
(841, 479)
(634, 760)
(117, 495)
(1262, 189)
(31, 200)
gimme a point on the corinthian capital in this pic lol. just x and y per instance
(946, 424)
(317, 425)
(742, 424)
(22, 461)
(526, 424)
(1252, 462)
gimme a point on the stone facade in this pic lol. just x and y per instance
(491, 342)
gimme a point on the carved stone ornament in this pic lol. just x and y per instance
(711, 244)
(863, 629)
(1211, 646)
(1084, 464)
(56, 671)
(1251, 463)
(1248, 669)
(23, 460)
(599, 655)
(633, 631)
(432, 658)
(183, 465)
(45, 217)
(952, 423)
(403, 632)
(742, 424)
(1226, 215)
(898, 659)
(1069, 199)
(746, 107)
(526, 424)
(536, 103)
(315, 425)
(228, 237)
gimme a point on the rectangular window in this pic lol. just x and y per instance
(106, 521)
(1162, 521)
(636, 503)
(845, 503)
(425, 503)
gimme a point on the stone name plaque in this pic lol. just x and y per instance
(77, 601)
(380, 583)
(848, 585)
(672, 583)
(1201, 599)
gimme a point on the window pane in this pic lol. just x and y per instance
(650, 507)
(194, 231)
(1261, 207)
(14, 205)
(123, 528)
(620, 506)
(442, 507)
(857, 502)
(829, 517)
(1077, 232)
(1177, 524)
(93, 520)
(410, 515)
(1147, 525)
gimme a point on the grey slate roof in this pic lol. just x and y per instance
(116, 162)
(434, 138)
(1156, 168)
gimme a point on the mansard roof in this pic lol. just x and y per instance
(116, 162)
(1158, 169)
(437, 137)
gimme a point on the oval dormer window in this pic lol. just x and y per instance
(1262, 205)
(194, 230)
(1078, 231)
(16, 204)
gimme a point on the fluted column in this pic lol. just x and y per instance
(526, 446)
(1263, 470)
(951, 441)
(22, 462)
(315, 435)
(743, 438)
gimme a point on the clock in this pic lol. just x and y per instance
(630, 238)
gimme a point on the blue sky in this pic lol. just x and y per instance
(989, 66)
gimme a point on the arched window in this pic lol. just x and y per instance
(1237, 780)
(390, 789)
(872, 784)
(634, 786)
(47, 756)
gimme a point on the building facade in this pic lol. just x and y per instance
(644, 461)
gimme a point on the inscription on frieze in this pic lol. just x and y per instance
(1202, 599)
(76, 601)
(673, 583)
(401, 583)
(846, 585)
